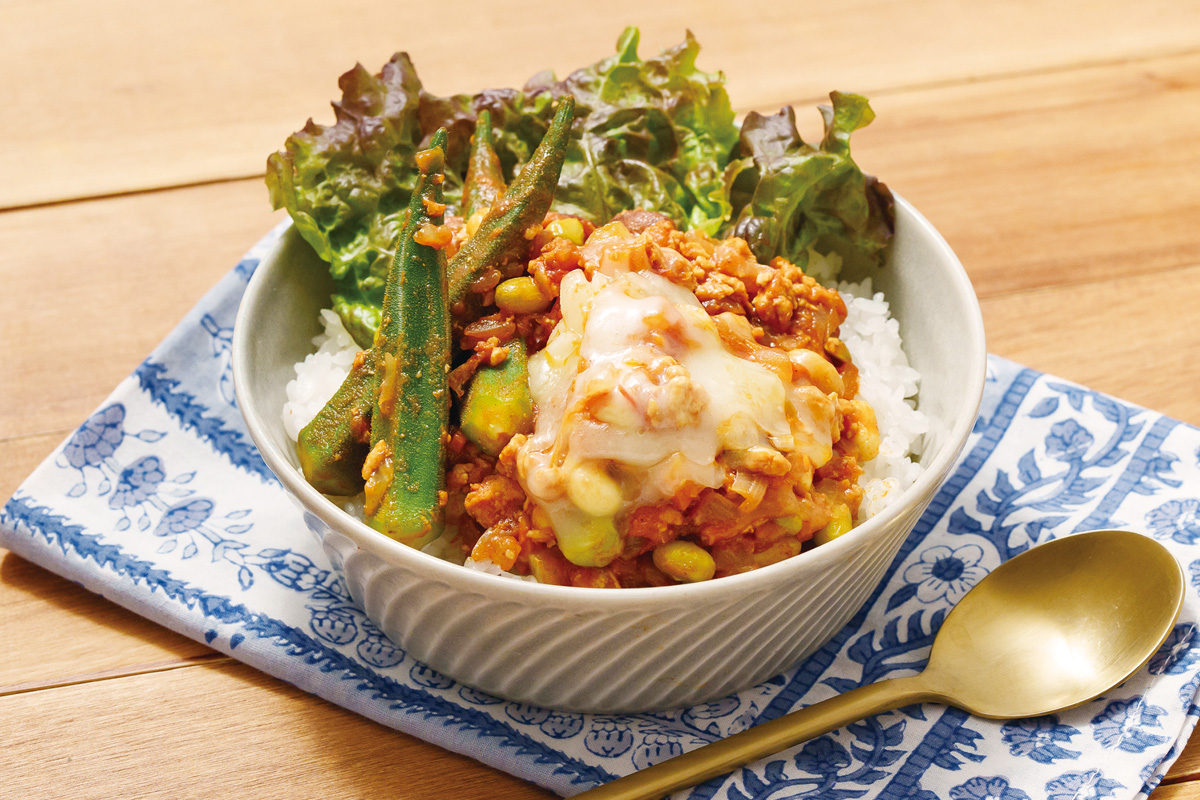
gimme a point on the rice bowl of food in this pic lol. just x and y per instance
(674, 456)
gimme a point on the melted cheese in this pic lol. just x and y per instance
(638, 397)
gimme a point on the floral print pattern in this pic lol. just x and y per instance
(1087, 785)
(1040, 738)
(986, 789)
(1128, 725)
(946, 574)
(1176, 519)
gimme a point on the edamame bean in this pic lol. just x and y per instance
(840, 523)
(588, 541)
(566, 228)
(521, 296)
(685, 561)
(592, 491)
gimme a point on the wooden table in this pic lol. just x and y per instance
(1055, 146)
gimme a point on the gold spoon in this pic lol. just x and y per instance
(1049, 629)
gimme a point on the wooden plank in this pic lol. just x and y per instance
(1187, 766)
(1089, 160)
(91, 288)
(1177, 791)
(1051, 178)
(127, 95)
(225, 731)
(58, 632)
(19, 456)
(1134, 337)
(228, 731)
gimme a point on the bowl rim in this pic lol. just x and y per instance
(501, 588)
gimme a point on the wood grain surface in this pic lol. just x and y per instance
(1054, 145)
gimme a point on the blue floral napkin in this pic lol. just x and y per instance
(160, 502)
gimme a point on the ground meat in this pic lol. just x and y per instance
(720, 293)
(555, 259)
(499, 544)
(819, 311)
(649, 526)
(494, 499)
(733, 257)
(775, 302)
(461, 375)
(762, 312)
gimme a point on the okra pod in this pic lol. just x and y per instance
(333, 446)
(485, 179)
(498, 404)
(501, 235)
(405, 469)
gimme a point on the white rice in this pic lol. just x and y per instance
(319, 375)
(886, 382)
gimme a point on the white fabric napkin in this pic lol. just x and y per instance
(161, 503)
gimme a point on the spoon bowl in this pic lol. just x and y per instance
(1049, 629)
(1057, 626)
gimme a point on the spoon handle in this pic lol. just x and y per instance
(726, 755)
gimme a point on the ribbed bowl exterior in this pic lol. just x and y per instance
(568, 656)
(626, 650)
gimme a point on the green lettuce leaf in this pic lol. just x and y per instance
(657, 134)
(792, 196)
(346, 185)
(653, 134)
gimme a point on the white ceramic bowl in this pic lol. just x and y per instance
(619, 650)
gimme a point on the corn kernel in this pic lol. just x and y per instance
(474, 222)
